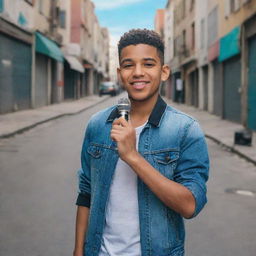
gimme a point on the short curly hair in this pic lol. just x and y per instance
(142, 36)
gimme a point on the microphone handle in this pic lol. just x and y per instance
(125, 115)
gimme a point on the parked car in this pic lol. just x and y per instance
(109, 88)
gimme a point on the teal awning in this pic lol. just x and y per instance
(48, 47)
(230, 44)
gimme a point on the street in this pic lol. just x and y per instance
(39, 187)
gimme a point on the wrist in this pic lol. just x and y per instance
(132, 158)
(78, 251)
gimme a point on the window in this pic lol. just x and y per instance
(212, 26)
(1, 5)
(183, 9)
(193, 35)
(234, 5)
(227, 8)
(41, 6)
(62, 19)
(176, 46)
(202, 41)
(192, 5)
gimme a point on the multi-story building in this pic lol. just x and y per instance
(169, 46)
(16, 43)
(223, 50)
(159, 28)
(31, 54)
(104, 56)
(184, 63)
(113, 63)
(159, 22)
(48, 59)
(87, 36)
(50, 50)
(237, 55)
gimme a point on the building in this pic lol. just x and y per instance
(50, 50)
(169, 47)
(16, 44)
(48, 59)
(159, 22)
(92, 41)
(237, 55)
(214, 56)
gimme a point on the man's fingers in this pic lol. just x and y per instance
(121, 121)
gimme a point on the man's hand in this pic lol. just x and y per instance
(124, 134)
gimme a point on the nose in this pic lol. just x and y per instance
(138, 71)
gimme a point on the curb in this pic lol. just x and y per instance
(231, 149)
(29, 127)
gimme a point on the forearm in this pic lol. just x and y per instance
(172, 194)
(81, 227)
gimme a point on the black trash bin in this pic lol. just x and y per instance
(243, 137)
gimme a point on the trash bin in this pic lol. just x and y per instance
(243, 137)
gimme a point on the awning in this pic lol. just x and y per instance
(48, 47)
(74, 63)
(230, 44)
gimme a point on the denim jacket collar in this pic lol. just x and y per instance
(155, 116)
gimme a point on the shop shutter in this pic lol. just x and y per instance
(252, 84)
(15, 74)
(232, 89)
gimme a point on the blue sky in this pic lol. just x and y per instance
(119, 16)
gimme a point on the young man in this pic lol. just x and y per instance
(140, 178)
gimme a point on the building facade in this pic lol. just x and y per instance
(214, 56)
(50, 50)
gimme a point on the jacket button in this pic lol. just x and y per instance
(167, 158)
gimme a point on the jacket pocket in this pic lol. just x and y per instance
(166, 161)
(94, 151)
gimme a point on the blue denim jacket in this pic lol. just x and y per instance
(172, 143)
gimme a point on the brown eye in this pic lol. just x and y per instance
(149, 64)
(127, 65)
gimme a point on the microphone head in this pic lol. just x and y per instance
(124, 105)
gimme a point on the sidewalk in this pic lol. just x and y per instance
(221, 131)
(20, 121)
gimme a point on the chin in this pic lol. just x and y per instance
(141, 98)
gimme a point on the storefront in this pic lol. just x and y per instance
(48, 71)
(231, 59)
(15, 67)
(73, 75)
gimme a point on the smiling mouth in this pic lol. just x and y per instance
(139, 84)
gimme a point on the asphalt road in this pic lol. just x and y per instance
(38, 193)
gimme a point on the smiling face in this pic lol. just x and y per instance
(141, 72)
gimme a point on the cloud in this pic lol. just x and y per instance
(107, 5)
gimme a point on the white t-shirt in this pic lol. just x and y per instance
(121, 235)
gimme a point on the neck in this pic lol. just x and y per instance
(141, 110)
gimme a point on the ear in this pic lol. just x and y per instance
(165, 72)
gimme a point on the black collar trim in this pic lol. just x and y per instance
(155, 116)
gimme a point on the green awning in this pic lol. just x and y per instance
(230, 44)
(48, 47)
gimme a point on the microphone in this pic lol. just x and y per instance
(124, 107)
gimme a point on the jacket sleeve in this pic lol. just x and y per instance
(193, 165)
(84, 174)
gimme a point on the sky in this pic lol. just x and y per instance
(119, 16)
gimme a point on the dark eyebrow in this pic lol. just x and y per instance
(150, 59)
